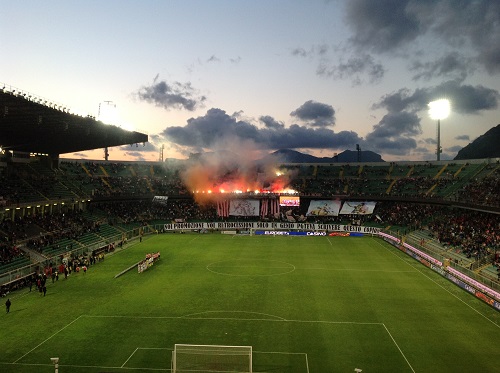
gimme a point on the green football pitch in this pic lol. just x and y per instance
(304, 304)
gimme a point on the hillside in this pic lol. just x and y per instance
(485, 146)
(347, 156)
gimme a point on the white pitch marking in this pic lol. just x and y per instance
(390, 335)
(60, 330)
(438, 284)
(126, 361)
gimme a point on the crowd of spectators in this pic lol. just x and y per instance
(126, 179)
(482, 192)
(145, 211)
(411, 215)
(474, 233)
(8, 252)
(418, 186)
(55, 227)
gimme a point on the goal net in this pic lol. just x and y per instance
(211, 358)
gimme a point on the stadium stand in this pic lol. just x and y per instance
(50, 207)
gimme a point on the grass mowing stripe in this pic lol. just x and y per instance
(60, 330)
(441, 286)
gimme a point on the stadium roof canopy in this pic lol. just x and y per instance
(29, 124)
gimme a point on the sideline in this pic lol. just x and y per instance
(411, 264)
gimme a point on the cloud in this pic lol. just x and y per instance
(430, 141)
(382, 25)
(315, 114)
(300, 52)
(354, 68)
(235, 60)
(474, 24)
(490, 57)
(169, 96)
(316, 50)
(394, 134)
(421, 150)
(216, 127)
(453, 65)
(465, 99)
(213, 58)
(80, 155)
(454, 149)
(140, 148)
(403, 100)
(270, 122)
(389, 26)
(137, 156)
(463, 138)
(358, 65)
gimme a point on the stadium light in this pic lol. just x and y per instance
(439, 109)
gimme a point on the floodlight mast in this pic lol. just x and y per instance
(439, 109)
(108, 103)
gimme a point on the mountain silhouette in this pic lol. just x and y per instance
(347, 156)
(485, 146)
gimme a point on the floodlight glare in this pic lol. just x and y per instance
(439, 109)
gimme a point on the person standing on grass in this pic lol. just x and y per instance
(7, 305)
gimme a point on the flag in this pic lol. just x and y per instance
(223, 208)
(275, 206)
(264, 207)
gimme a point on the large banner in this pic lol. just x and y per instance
(290, 201)
(357, 208)
(270, 225)
(244, 207)
(160, 200)
(323, 208)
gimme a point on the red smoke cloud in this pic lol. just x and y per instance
(211, 174)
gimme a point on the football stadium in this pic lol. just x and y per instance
(162, 266)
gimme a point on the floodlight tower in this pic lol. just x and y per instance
(108, 115)
(161, 152)
(439, 109)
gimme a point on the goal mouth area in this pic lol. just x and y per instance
(211, 358)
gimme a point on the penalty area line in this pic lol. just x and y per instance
(142, 348)
(60, 330)
(287, 353)
(126, 361)
(401, 352)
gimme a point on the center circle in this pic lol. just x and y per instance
(250, 267)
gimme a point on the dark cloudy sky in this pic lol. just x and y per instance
(316, 76)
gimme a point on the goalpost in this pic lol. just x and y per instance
(211, 358)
